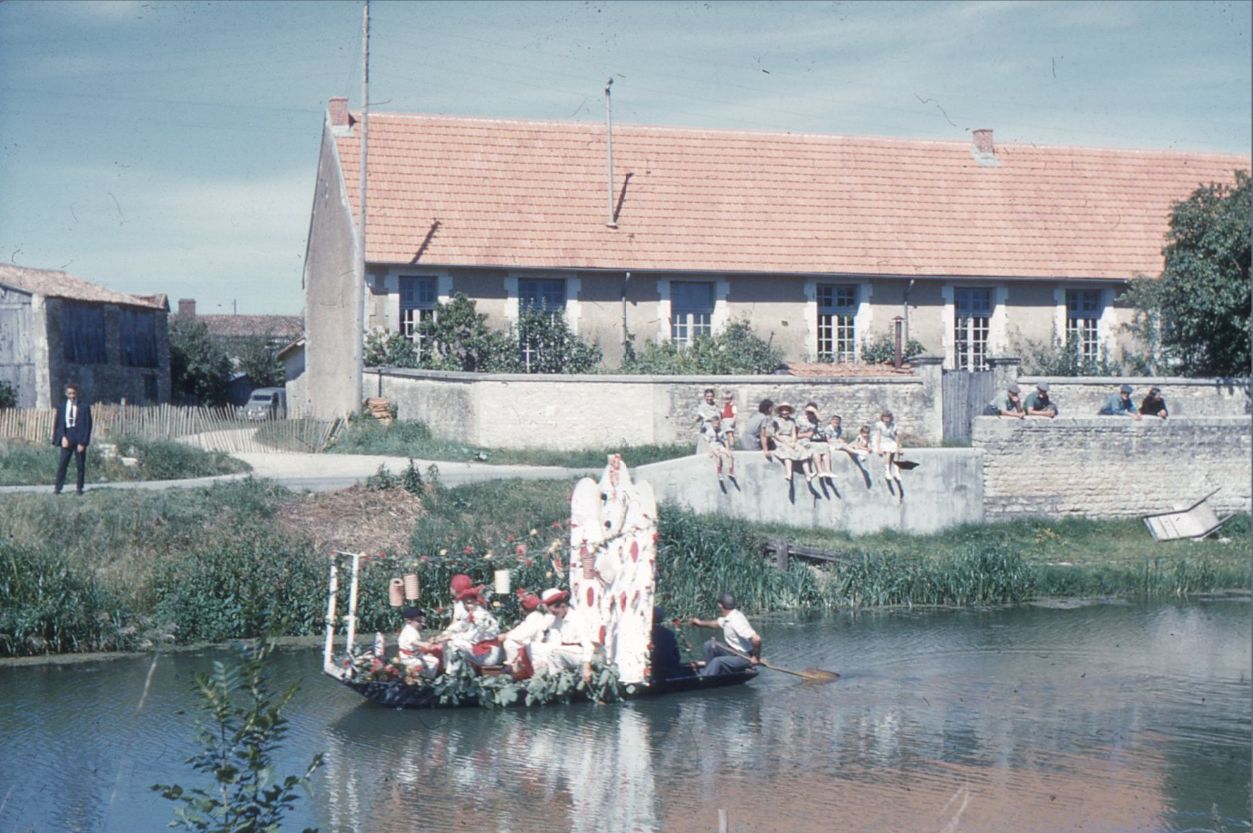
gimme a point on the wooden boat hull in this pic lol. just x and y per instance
(396, 695)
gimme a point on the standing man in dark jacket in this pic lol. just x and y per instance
(72, 433)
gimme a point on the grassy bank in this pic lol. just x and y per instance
(120, 570)
(414, 439)
(23, 464)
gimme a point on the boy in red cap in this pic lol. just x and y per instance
(475, 636)
(530, 630)
(566, 644)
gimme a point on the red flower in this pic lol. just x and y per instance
(520, 549)
(468, 550)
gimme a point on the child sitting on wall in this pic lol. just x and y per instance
(717, 441)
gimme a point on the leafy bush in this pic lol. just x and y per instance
(388, 348)
(258, 359)
(8, 396)
(882, 349)
(52, 603)
(252, 583)
(1058, 358)
(736, 350)
(548, 346)
(238, 743)
(459, 338)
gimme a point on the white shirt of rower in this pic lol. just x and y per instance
(736, 631)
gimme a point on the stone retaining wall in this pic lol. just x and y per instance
(1083, 397)
(603, 411)
(945, 490)
(1112, 466)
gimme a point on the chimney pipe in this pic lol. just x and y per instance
(186, 307)
(983, 140)
(338, 111)
(611, 221)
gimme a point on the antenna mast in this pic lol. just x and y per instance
(612, 220)
(359, 278)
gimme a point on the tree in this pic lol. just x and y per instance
(238, 742)
(388, 348)
(259, 361)
(1196, 317)
(458, 338)
(200, 370)
(548, 346)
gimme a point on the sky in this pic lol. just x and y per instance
(171, 147)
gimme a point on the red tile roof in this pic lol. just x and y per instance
(237, 326)
(534, 194)
(57, 284)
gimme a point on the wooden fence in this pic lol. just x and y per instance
(213, 429)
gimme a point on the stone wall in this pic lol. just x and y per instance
(595, 411)
(1083, 397)
(1112, 466)
(945, 490)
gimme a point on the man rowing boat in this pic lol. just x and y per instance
(742, 647)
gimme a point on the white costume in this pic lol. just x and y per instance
(410, 655)
(477, 626)
(567, 645)
(529, 631)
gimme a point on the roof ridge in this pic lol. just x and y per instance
(797, 134)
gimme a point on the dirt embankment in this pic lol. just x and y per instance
(355, 519)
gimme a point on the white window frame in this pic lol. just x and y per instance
(843, 348)
(665, 304)
(410, 318)
(1104, 320)
(973, 331)
(391, 288)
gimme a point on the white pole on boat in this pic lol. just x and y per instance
(352, 602)
(332, 590)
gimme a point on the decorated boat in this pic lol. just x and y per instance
(612, 582)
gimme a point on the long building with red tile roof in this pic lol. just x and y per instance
(819, 240)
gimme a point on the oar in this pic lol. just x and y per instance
(809, 675)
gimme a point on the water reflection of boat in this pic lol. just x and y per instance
(396, 694)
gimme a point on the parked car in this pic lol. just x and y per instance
(266, 403)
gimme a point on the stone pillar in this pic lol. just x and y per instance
(1004, 371)
(929, 370)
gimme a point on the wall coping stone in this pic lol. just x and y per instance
(605, 378)
(1141, 381)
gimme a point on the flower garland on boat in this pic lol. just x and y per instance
(465, 685)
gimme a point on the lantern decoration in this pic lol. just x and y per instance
(396, 592)
(500, 582)
(412, 589)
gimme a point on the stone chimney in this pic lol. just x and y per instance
(186, 307)
(983, 141)
(338, 111)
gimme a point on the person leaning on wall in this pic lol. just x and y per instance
(1120, 404)
(1154, 404)
(1038, 403)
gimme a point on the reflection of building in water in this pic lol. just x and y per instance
(566, 769)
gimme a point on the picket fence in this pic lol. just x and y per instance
(213, 429)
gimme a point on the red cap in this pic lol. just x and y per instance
(552, 596)
(529, 602)
(470, 594)
(460, 582)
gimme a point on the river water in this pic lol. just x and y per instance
(1092, 717)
